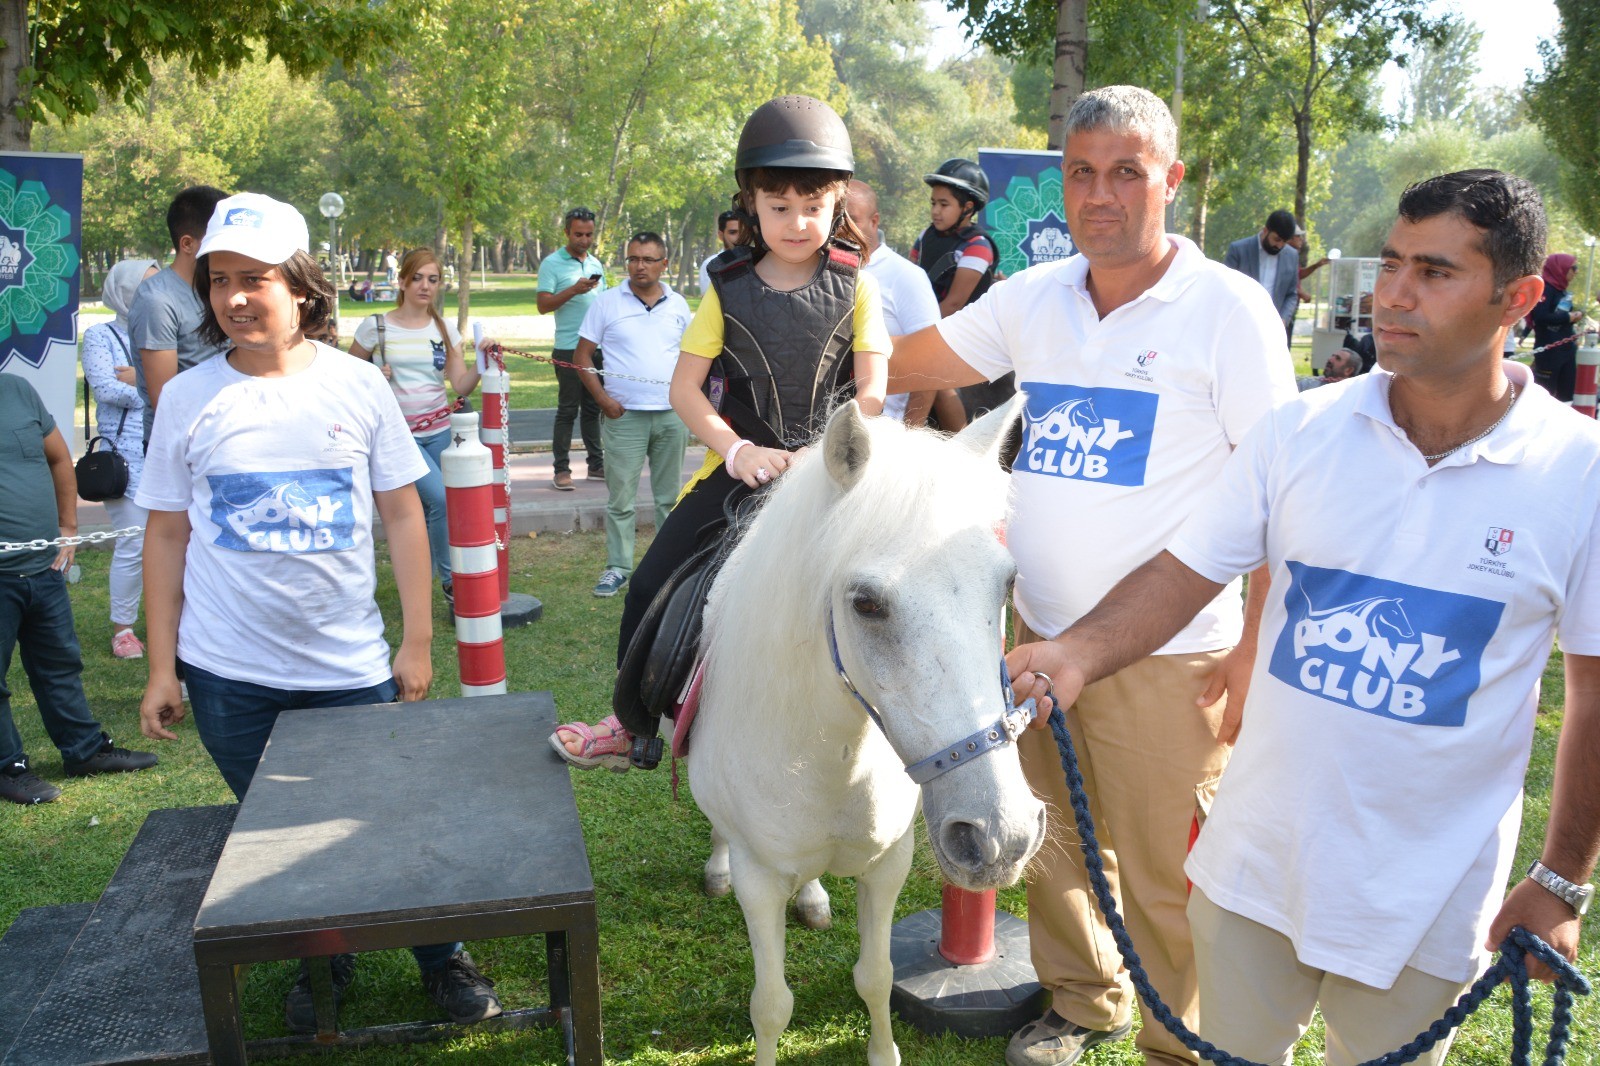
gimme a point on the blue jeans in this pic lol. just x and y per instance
(431, 488)
(36, 613)
(235, 718)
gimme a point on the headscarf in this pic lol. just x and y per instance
(122, 281)
(1558, 270)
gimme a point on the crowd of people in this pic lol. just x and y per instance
(1340, 843)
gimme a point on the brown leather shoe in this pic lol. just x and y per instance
(562, 482)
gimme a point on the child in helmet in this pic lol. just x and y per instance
(790, 324)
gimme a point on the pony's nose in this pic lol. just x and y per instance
(969, 843)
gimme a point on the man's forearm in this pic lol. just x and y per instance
(584, 357)
(1572, 840)
(166, 542)
(1141, 612)
(160, 366)
(65, 481)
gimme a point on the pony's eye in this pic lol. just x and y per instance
(865, 605)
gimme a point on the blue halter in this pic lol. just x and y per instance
(998, 734)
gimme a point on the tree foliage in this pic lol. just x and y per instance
(1564, 103)
(80, 52)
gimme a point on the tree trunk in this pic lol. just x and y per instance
(1072, 49)
(16, 130)
(1202, 202)
(1302, 166)
(464, 274)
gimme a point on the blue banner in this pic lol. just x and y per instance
(41, 237)
(1025, 216)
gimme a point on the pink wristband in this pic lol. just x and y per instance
(727, 460)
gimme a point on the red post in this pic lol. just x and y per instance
(1583, 391)
(496, 389)
(469, 504)
(966, 930)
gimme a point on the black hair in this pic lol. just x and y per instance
(1508, 210)
(1282, 223)
(650, 236)
(727, 217)
(191, 210)
(304, 278)
(806, 181)
(577, 214)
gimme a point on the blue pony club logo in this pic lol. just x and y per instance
(1382, 647)
(292, 512)
(1048, 240)
(1088, 434)
(243, 216)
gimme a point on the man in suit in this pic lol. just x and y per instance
(1272, 260)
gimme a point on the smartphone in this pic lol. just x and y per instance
(596, 276)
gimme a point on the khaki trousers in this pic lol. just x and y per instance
(1257, 997)
(1150, 762)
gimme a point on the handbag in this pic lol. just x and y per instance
(102, 475)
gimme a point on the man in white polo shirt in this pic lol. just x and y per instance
(1357, 849)
(908, 301)
(1144, 364)
(639, 325)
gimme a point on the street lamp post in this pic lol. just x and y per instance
(332, 206)
(1589, 241)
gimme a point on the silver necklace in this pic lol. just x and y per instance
(1480, 436)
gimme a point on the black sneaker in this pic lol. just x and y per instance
(111, 759)
(21, 785)
(298, 1012)
(464, 993)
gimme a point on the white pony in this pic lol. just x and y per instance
(883, 545)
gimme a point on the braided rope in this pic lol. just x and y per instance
(1512, 966)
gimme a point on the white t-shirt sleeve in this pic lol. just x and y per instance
(166, 483)
(1579, 628)
(453, 333)
(705, 274)
(396, 460)
(366, 333)
(593, 327)
(915, 306)
(1227, 534)
(976, 335)
(1254, 372)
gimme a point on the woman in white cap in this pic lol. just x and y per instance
(263, 473)
(119, 417)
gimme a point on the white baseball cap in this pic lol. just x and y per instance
(257, 226)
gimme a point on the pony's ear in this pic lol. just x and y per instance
(846, 445)
(988, 434)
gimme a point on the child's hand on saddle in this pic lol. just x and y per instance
(756, 466)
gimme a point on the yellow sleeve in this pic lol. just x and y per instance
(871, 333)
(704, 335)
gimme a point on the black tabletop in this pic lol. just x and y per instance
(360, 814)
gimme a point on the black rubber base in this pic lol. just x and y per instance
(994, 998)
(520, 610)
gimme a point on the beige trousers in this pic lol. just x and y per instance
(1256, 997)
(1150, 762)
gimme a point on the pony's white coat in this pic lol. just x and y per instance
(894, 536)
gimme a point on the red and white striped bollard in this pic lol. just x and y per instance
(474, 559)
(1584, 389)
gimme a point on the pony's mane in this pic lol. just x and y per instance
(916, 493)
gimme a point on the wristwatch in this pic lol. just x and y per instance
(1575, 896)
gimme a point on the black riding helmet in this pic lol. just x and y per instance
(965, 177)
(795, 131)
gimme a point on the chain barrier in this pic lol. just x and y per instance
(1511, 968)
(1555, 344)
(499, 351)
(70, 542)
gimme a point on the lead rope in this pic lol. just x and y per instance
(1511, 967)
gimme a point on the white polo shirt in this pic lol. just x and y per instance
(908, 305)
(1129, 421)
(638, 339)
(1371, 808)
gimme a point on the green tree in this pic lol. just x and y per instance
(1439, 74)
(1024, 29)
(1563, 103)
(61, 58)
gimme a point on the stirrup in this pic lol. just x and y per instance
(646, 752)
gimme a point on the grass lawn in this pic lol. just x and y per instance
(675, 965)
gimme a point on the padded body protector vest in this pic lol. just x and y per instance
(785, 355)
(940, 252)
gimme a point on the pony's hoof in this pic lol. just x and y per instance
(718, 885)
(818, 916)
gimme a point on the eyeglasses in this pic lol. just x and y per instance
(580, 214)
(635, 260)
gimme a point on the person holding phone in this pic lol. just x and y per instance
(569, 280)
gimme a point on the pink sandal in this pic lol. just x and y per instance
(610, 752)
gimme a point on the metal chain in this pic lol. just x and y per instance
(1554, 344)
(69, 542)
(496, 351)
